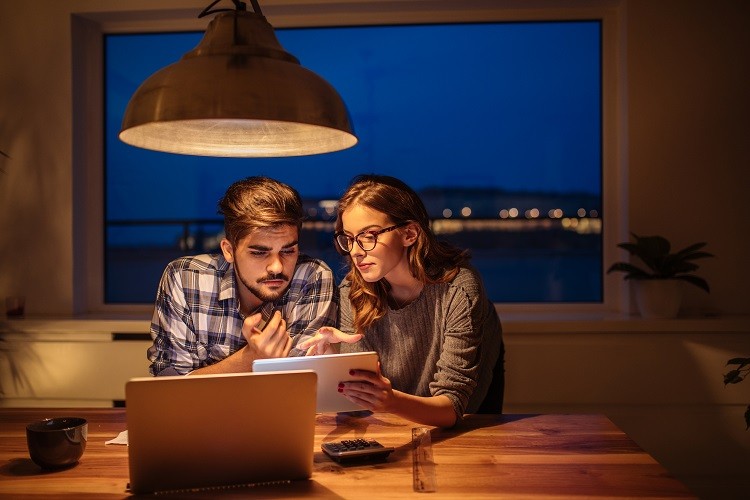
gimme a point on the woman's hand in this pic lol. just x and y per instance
(370, 390)
(320, 343)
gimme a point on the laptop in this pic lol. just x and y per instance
(213, 431)
(331, 369)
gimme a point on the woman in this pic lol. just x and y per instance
(417, 303)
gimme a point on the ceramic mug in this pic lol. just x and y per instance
(58, 442)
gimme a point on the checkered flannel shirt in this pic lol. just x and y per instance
(197, 321)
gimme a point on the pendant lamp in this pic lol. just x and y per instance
(238, 93)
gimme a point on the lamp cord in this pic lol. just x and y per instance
(238, 5)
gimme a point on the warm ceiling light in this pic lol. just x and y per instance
(238, 93)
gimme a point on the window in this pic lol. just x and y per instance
(497, 125)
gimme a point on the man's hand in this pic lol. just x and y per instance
(271, 342)
(320, 343)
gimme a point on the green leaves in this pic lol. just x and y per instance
(736, 376)
(660, 263)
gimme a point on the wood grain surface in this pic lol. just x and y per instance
(485, 456)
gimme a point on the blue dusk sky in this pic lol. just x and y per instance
(516, 106)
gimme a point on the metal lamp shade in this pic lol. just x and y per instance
(238, 93)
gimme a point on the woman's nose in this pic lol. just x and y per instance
(356, 250)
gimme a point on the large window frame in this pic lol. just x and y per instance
(88, 179)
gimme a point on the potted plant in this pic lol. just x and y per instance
(657, 283)
(737, 375)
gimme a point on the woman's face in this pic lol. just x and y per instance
(388, 258)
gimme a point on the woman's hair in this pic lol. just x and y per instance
(430, 260)
(257, 202)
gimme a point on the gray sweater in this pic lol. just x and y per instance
(445, 342)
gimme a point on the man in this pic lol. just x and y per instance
(257, 299)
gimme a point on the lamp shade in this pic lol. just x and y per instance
(238, 93)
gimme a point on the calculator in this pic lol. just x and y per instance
(356, 450)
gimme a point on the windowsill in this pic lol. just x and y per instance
(85, 324)
(513, 323)
(618, 323)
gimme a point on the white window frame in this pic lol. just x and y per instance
(88, 130)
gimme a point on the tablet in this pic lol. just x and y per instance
(331, 369)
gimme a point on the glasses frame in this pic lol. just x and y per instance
(352, 239)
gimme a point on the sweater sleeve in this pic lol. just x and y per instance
(459, 366)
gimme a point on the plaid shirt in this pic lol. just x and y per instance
(197, 321)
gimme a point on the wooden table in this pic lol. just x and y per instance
(487, 456)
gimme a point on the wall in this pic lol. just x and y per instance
(35, 130)
(684, 117)
(688, 103)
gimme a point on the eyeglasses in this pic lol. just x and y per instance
(366, 239)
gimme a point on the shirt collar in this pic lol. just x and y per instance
(227, 288)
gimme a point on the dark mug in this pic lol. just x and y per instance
(55, 443)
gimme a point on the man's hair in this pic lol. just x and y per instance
(259, 202)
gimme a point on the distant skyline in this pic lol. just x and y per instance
(509, 105)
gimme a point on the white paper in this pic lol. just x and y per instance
(122, 438)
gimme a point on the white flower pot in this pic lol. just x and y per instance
(658, 299)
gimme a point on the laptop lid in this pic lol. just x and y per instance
(208, 431)
(331, 369)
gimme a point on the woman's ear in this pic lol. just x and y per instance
(410, 234)
(227, 250)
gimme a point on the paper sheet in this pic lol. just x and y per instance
(122, 438)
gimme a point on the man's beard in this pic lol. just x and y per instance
(257, 290)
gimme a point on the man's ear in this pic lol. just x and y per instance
(410, 234)
(227, 250)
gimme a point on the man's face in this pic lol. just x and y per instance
(264, 263)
